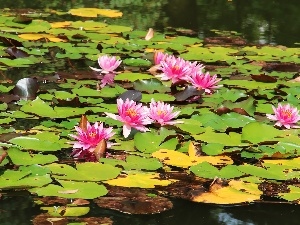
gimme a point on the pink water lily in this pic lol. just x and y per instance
(159, 56)
(204, 81)
(107, 64)
(174, 69)
(132, 115)
(162, 113)
(285, 115)
(88, 139)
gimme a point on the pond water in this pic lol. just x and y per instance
(274, 22)
(267, 22)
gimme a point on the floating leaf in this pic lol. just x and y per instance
(94, 12)
(32, 143)
(179, 159)
(19, 157)
(206, 170)
(258, 132)
(140, 179)
(86, 190)
(141, 163)
(150, 85)
(82, 172)
(236, 192)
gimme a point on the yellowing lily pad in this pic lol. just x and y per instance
(236, 192)
(34, 37)
(139, 179)
(60, 24)
(94, 12)
(175, 158)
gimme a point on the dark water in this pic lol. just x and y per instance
(19, 210)
(262, 22)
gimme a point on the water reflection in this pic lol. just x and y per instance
(19, 209)
(261, 22)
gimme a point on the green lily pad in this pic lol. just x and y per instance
(150, 86)
(19, 157)
(258, 132)
(72, 189)
(206, 170)
(82, 172)
(141, 163)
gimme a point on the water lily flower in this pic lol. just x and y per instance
(88, 139)
(204, 81)
(91, 137)
(285, 115)
(162, 113)
(159, 56)
(107, 64)
(132, 115)
(174, 69)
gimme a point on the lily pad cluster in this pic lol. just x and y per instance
(225, 151)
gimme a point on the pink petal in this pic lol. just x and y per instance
(126, 130)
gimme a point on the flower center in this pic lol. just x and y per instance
(287, 113)
(176, 68)
(161, 112)
(92, 134)
(131, 112)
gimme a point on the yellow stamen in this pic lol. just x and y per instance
(131, 112)
(92, 134)
(161, 112)
(287, 113)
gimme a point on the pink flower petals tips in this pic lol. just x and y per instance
(88, 139)
(204, 81)
(132, 115)
(285, 115)
(107, 64)
(162, 113)
(174, 69)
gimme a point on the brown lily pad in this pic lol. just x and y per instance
(264, 78)
(134, 201)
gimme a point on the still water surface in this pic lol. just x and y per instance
(260, 22)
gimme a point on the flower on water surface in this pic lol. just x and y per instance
(159, 56)
(132, 115)
(162, 113)
(285, 115)
(88, 139)
(174, 69)
(204, 81)
(107, 64)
